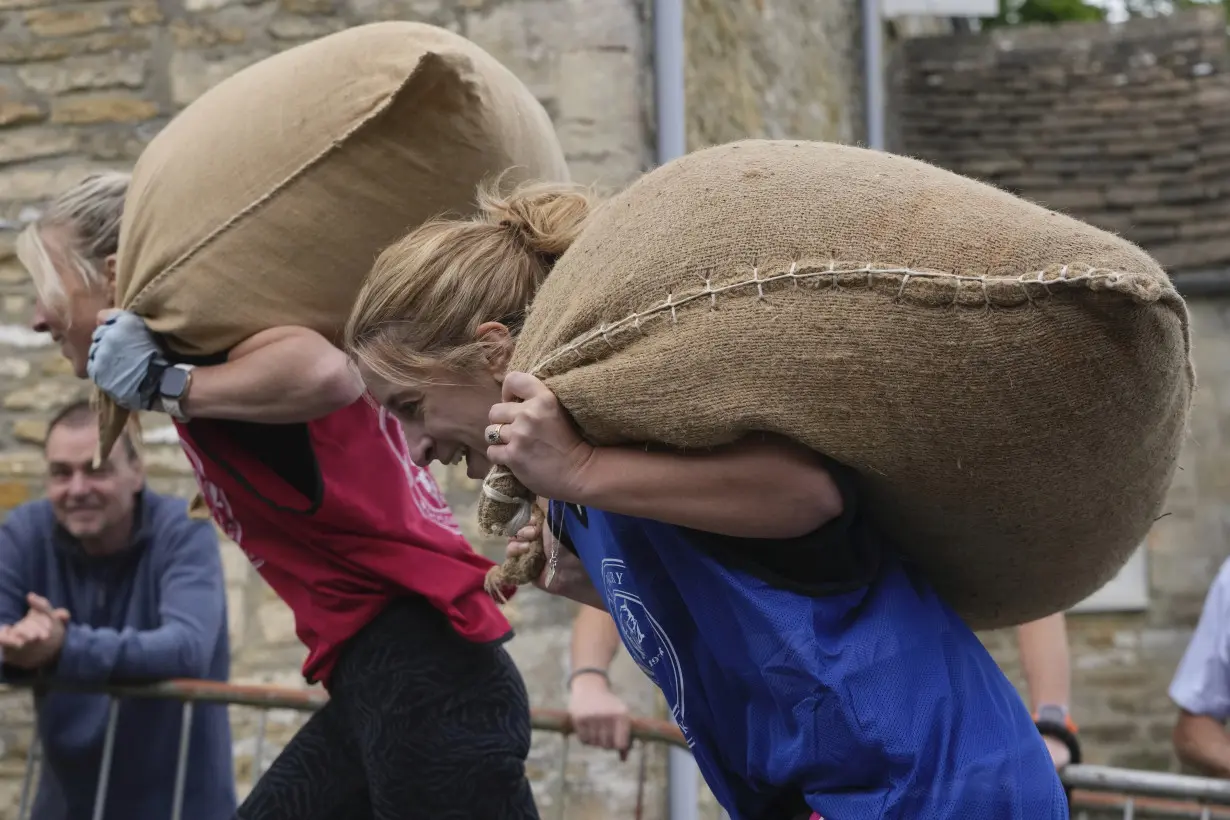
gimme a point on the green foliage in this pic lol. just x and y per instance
(1152, 8)
(1021, 12)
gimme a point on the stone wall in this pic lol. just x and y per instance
(773, 69)
(1126, 127)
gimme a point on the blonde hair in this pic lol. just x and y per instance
(89, 214)
(429, 292)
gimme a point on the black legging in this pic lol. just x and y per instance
(421, 723)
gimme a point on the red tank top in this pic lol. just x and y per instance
(376, 529)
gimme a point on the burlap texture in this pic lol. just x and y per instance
(265, 202)
(1012, 385)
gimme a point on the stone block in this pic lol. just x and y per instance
(86, 110)
(56, 366)
(12, 367)
(27, 464)
(308, 6)
(204, 34)
(44, 396)
(295, 27)
(207, 5)
(59, 22)
(1071, 198)
(18, 112)
(31, 50)
(235, 565)
(30, 430)
(145, 14)
(1119, 195)
(277, 623)
(86, 73)
(25, 144)
(442, 13)
(13, 493)
(192, 73)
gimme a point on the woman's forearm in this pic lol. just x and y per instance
(761, 487)
(280, 376)
(595, 639)
(1044, 655)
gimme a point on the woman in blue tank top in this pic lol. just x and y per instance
(813, 672)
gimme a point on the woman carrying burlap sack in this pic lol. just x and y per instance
(812, 672)
(425, 703)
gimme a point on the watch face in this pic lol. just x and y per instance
(1052, 714)
(174, 380)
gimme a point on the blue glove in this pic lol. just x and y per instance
(121, 355)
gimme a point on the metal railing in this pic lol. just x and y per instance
(265, 698)
(1098, 792)
(1105, 792)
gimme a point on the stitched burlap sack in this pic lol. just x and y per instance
(265, 202)
(1012, 385)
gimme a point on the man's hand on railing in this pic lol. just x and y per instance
(599, 717)
(35, 640)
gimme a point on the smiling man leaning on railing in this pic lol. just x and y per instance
(105, 580)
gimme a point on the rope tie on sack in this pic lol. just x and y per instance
(525, 506)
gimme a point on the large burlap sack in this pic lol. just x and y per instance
(1012, 385)
(265, 202)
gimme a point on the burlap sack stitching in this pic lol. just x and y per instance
(586, 348)
(591, 345)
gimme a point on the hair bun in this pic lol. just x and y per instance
(547, 217)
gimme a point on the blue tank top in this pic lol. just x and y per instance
(872, 701)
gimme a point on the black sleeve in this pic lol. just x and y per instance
(841, 556)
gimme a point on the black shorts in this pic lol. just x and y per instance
(421, 723)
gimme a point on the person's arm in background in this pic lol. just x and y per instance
(599, 717)
(14, 585)
(282, 375)
(192, 612)
(1043, 646)
(1201, 686)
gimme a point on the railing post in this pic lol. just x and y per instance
(33, 754)
(104, 770)
(258, 759)
(181, 764)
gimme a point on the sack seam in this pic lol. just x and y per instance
(1028, 285)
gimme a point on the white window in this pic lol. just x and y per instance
(940, 8)
(1128, 591)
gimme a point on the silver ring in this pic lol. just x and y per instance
(493, 433)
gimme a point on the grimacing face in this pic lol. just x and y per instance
(72, 323)
(94, 505)
(444, 416)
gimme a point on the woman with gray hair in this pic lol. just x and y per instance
(315, 483)
(70, 254)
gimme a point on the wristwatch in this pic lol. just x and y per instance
(173, 387)
(1054, 721)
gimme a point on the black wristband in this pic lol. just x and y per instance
(1049, 728)
(588, 670)
(152, 383)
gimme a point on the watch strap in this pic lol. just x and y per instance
(1057, 723)
(149, 389)
(173, 405)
